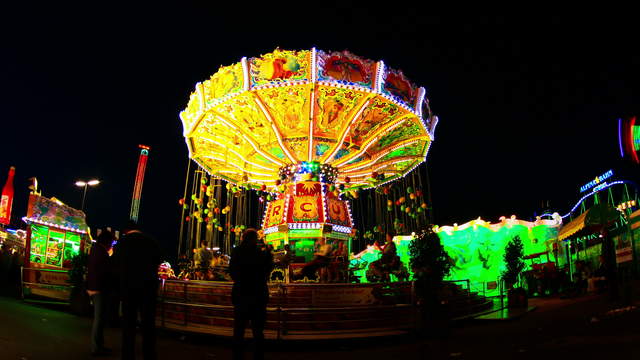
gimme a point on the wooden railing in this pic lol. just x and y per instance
(294, 311)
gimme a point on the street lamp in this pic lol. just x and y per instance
(86, 184)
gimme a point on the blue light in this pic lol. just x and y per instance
(597, 181)
(620, 137)
(597, 189)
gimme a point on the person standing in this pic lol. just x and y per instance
(98, 288)
(137, 257)
(17, 260)
(5, 264)
(250, 267)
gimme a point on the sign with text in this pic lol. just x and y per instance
(275, 213)
(305, 209)
(595, 182)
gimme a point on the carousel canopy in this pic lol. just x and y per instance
(253, 119)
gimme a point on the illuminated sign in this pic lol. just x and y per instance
(275, 214)
(604, 185)
(595, 182)
(305, 208)
(338, 213)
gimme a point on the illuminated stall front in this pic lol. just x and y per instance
(13, 238)
(55, 234)
(476, 248)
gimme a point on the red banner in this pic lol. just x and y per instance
(308, 188)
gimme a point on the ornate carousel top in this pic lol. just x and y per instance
(335, 115)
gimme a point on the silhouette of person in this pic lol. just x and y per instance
(137, 257)
(99, 289)
(250, 267)
(5, 266)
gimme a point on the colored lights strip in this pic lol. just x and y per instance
(137, 188)
(234, 165)
(314, 65)
(220, 157)
(245, 74)
(620, 137)
(264, 216)
(370, 142)
(311, 107)
(305, 226)
(279, 84)
(275, 130)
(636, 137)
(349, 211)
(253, 145)
(57, 226)
(432, 128)
(270, 230)
(190, 124)
(200, 93)
(376, 137)
(379, 77)
(342, 229)
(382, 154)
(626, 205)
(421, 95)
(226, 147)
(631, 144)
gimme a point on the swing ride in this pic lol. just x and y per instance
(306, 130)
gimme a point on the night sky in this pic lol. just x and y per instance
(528, 108)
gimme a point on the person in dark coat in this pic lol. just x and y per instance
(17, 260)
(137, 257)
(5, 266)
(250, 268)
(98, 288)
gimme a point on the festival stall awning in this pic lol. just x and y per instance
(573, 227)
(54, 213)
(634, 219)
(597, 217)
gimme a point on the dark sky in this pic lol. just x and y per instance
(528, 107)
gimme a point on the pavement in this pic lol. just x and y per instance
(587, 327)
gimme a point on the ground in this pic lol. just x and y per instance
(582, 328)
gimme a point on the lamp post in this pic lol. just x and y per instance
(86, 184)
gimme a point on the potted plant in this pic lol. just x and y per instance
(79, 301)
(430, 264)
(514, 264)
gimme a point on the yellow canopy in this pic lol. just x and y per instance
(573, 227)
(250, 121)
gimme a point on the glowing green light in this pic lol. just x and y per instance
(477, 253)
(305, 233)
